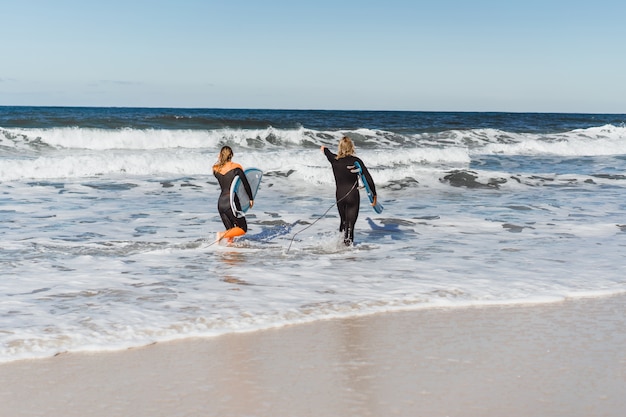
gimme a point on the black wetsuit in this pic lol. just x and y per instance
(223, 203)
(347, 193)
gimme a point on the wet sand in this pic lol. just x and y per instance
(560, 359)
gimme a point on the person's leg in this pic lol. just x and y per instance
(241, 222)
(235, 226)
(352, 213)
(227, 220)
(341, 207)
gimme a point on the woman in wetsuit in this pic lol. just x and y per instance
(225, 171)
(346, 180)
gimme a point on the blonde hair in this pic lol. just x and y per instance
(226, 155)
(346, 147)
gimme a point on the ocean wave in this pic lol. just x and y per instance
(108, 226)
(602, 140)
(83, 152)
(93, 164)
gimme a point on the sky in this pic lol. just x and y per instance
(420, 55)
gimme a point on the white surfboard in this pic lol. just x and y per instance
(254, 176)
(378, 208)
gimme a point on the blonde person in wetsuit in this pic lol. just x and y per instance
(225, 171)
(346, 180)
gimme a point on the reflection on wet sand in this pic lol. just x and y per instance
(232, 260)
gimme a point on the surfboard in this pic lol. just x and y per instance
(378, 208)
(254, 176)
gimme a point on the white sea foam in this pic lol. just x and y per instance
(79, 152)
(107, 237)
(586, 141)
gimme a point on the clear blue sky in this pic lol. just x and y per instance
(452, 55)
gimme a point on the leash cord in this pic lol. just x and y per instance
(323, 215)
(356, 184)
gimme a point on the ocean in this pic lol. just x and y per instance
(108, 219)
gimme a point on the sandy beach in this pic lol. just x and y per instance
(558, 359)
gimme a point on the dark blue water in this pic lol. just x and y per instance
(402, 122)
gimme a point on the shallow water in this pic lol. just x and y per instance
(107, 232)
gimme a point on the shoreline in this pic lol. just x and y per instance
(554, 359)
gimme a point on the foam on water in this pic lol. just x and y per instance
(107, 236)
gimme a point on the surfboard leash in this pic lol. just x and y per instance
(356, 184)
(214, 242)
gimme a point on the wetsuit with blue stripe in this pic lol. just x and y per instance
(347, 192)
